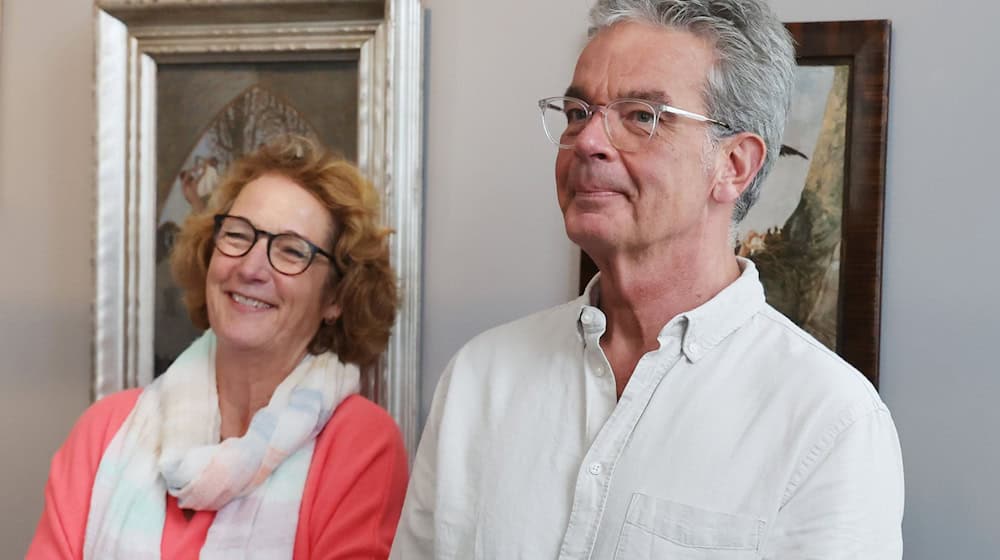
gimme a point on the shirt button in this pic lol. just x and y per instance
(693, 348)
(587, 317)
(595, 469)
(600, 370)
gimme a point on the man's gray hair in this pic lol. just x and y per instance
(750, 86)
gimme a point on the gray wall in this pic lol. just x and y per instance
(495, 249)
(494, 242)
(494, 245)
(940, 307)
(45, 244)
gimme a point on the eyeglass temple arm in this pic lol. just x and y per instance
(547, 104)
(695, 116)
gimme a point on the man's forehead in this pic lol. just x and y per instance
(654, 95)
(632, 59)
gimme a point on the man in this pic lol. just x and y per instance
(669, 412)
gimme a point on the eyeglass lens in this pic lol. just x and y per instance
(629, 124)
(288, 253)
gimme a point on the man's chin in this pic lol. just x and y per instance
(592, 237)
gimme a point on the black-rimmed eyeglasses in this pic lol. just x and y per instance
(288, 253)
(629, 123)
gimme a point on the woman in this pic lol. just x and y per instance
(254, 443)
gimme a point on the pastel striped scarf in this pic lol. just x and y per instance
(170, 443)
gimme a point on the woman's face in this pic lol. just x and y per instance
(253, 307)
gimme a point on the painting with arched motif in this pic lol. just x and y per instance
(214, 114)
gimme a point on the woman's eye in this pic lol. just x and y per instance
(236, 235)
(293, 253)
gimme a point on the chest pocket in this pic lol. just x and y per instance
(657, 529)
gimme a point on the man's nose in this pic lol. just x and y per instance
(593, 140)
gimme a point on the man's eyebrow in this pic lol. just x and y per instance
(651, 95)
(574, 91)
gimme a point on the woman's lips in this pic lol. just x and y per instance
(248, 301)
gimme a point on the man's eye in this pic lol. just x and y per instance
(575, 114)
(641, 117)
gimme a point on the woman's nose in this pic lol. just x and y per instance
(255, 265)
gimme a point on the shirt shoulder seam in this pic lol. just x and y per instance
(774, 316)
(826, 442)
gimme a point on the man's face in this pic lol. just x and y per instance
(613, 201)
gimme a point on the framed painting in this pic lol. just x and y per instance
(183, 89)
(816, 231)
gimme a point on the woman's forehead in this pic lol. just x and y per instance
(277, 204)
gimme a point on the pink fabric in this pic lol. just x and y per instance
(350, 505)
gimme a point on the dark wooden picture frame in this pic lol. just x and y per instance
(863, 46)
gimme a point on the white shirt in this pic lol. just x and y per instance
(740, 437)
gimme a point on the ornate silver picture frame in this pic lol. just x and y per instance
(135, 38)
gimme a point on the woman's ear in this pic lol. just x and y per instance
(331, 313)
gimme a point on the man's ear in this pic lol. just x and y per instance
(741, 157)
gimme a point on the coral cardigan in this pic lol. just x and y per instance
(350, 504)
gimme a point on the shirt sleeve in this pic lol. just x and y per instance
(846, 500)
(416, 533)
(62, 528)
(358, 492)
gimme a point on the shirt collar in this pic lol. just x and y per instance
(703, 327)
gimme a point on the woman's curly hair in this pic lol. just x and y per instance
(367, 288)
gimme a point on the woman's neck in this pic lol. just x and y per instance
(246, 381)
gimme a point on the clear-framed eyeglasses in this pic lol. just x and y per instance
(629, 123)
(288, 253)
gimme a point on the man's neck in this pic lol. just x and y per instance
(640, 294)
